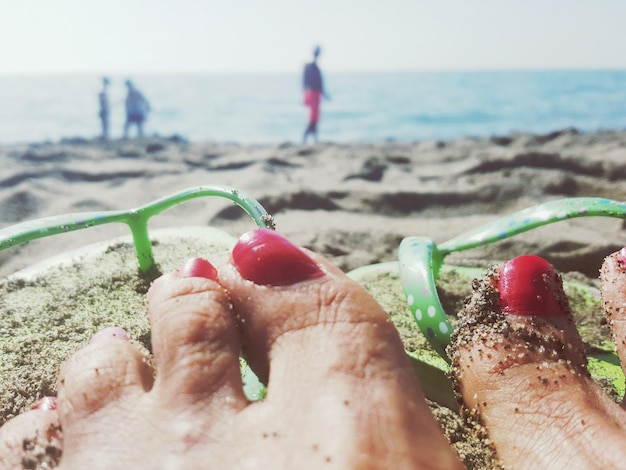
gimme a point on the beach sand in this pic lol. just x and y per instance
(351, 203)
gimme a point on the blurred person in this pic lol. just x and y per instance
(103, 99)
(137, 108)
(313, 92)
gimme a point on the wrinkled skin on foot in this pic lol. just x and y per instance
(341, 392)
(520, 370)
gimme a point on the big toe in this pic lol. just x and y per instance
(520, 369)
(292, 306)
(327, 349)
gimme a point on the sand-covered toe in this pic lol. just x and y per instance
(613, 277)
(31, 440)
(523, 376)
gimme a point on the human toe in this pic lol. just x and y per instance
(613, 281)
(290, 301)
(194, 340)
(102, 374)
(327, 349)
(520, 370)
(32, 439)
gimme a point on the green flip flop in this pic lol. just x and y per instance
(137, 220)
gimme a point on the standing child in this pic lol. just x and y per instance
(103, 99)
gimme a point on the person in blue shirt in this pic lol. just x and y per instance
(313, 92)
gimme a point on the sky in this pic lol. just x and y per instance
(277, 36)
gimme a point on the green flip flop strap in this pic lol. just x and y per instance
(418, 265)
(420, 258)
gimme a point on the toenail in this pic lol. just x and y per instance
(529, 285)
(112, 332)
(45, 403)
(198, 267)
(267, 258)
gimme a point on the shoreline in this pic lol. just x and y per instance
(498, 138)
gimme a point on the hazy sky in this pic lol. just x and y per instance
(133, 36)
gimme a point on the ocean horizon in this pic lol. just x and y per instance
(364, 107)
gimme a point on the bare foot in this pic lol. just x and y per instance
(340, 390)
(521, 370)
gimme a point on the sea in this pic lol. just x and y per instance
(363, 107)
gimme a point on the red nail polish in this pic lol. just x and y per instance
(112, 332)
(198, 267)
(267, 258)
(529, 285)
(45, 403)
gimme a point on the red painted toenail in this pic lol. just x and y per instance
(45, 403)
(112, 332)
(198, 267)
(267, 258)
(529, 285)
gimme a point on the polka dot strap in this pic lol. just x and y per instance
(419, 262)
(533, 217)
(420, 259)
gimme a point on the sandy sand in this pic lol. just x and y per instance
(351, 203)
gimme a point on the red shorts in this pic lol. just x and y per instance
(312, 99)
